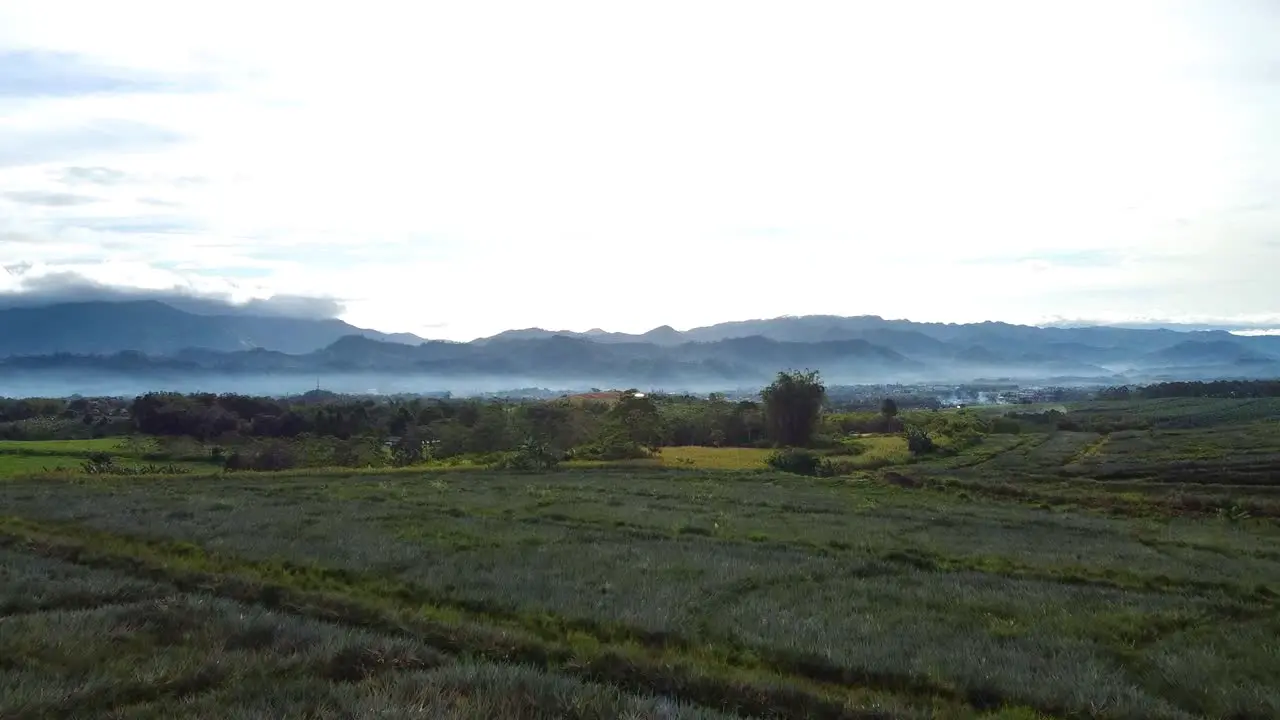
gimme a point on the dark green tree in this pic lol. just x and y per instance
(545, 423)
(636, 415)
(889, 408)
(792, 406)
(408, 449)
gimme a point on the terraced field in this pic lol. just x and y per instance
(1180, 413)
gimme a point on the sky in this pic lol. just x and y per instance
(456, 169)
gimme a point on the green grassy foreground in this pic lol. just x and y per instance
(1065, 573)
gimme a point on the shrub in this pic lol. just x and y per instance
(151, 469)
(613, 447)
(919, 442)
(806, 462)
(531, 456)
(1006, 426)
(99, 463)
(235, 461)
(275, 456)
(835, 468)
(408, 450)
(798, 462)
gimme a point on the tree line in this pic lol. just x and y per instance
(1194, 389)
(630, 425)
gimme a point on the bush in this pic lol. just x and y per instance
(276, 456)
(919, 442)
(961, 440)
(408, 450)
(613, 447)
(235, 461)
(531, 456)
(99, 463)
(1006, 426)
(835, 468)
(798, 462)
(806, 462)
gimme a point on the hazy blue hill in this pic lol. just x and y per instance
(148, 338)
(105, 328)
(154, 328)
(1206, 352)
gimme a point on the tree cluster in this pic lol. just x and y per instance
(261, 433)
(1210, 389)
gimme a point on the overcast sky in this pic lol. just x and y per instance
(457, 168)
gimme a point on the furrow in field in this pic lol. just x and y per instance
(741, 680)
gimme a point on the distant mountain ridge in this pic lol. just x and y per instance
(820, 328)
(153, 327)
(146, 337)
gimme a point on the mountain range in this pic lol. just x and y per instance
(150, 339)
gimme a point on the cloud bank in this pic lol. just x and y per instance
(484, 166)
(24, 286)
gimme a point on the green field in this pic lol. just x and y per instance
(62, 447)
(12, 466)
(871, 452)
(1133, 573)
(21, 458)
(714, 458)
(20, 465)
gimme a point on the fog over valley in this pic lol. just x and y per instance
(129, 346)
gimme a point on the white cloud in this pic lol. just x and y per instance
(501, 164)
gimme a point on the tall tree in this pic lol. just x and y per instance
(889, 408)
(637, 416)
(889, 416)
(792, 405)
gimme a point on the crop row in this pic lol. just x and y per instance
(517, 550)
(195, 655)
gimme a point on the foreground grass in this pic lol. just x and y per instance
(191, 655)
(757, 593)
(374, 604)
(1124, 574)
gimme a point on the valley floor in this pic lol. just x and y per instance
(1061, 574)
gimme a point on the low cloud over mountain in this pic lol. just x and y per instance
(22, 288)
(160, 344)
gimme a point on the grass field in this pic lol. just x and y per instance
(715, 458)
(19, 458)
(63, 447)
(18, 465)
(880, 450)
(21, 465)
(1184, 413)
(872, 451)
(1027, 577)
